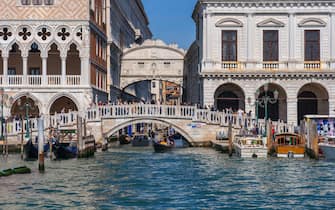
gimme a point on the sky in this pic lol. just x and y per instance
(171, 21)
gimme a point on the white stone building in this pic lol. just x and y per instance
(243, 46)
(129, 24)
(156, 63)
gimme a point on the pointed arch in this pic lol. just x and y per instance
(65, 95)
(73, 61)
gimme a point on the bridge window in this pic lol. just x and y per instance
(141, 64)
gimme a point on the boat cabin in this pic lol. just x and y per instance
(289, 139)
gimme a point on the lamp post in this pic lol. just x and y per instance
(263, 102)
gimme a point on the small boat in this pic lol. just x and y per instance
(252, 146)
(289, 145)
(124, 139)
(162, 146)
(328, 148)
(65, 150)
(140, 141)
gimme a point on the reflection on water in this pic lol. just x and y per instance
(193, 178)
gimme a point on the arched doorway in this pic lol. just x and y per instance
(312, 99)
(63, 105)
(229, 96)
(276, 107)
(73, 63)
(25, 105)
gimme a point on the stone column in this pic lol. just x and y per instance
(85, 73)
(332, 41)
(292, 34)
(44, 70)
(292, 110)
(25, 69)
(5, 70)
(63, 69)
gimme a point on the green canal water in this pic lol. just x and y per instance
(193, 178)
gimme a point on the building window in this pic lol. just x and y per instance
(37, 2)
(141, 64)
(25, 2)
(229, 45)
(153, 84)
(34, 71)
(167, 64)
(11, 71)
(270, 46)
(48, 2)
(312, 45)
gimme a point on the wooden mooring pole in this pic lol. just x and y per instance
(230, 139)
(41, 167)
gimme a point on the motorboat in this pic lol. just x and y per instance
(163, 146)
(328, 147)
(140, 141)
(251, 146)
(289, 145)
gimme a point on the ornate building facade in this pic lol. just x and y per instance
(153, 71)
(57, 55)
(246, 50)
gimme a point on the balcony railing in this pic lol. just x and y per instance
(271, 65)
(312, 65)
(38, 80)
(54, 79)
(230, 65)
(34, 80)
(73, 80)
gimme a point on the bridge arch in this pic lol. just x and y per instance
(133, 121)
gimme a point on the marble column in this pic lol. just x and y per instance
(5, 70)
(63, 69)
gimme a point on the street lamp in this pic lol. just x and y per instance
(263, 102)
(27, 107)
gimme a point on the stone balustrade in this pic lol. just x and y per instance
(38, 80)
(146, 111)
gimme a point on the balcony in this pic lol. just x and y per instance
(312, 65)
(270, 65)
(230, 65)
(39, 81)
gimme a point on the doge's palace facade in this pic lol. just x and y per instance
(250, 49)
(49, 53)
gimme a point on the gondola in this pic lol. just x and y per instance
(162, 146)
(63, 151)
(31, 150)
(123, 139)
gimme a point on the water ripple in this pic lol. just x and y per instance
(195, 178)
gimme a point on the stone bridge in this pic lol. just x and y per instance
(198, 126)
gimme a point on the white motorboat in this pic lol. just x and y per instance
(251, 146)
(328, 148)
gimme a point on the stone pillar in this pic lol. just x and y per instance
(85, 71)
(332, 41)
(292, 110)
(25, 69)
(292, 34)
(63, 77)
(44, 70)
(5, 70)
(250, 42)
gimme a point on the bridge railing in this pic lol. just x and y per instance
(97, 113)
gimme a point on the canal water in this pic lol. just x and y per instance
(193, 178)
